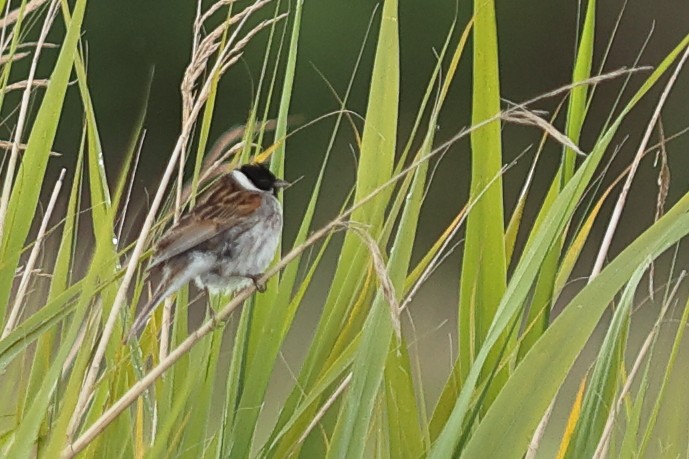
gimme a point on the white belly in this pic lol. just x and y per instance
(251, 255)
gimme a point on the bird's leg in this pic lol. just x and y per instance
(255, 278)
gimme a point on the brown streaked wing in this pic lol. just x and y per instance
(223, 208)
(181, 237)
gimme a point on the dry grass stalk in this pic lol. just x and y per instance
(24, 84)
(622, 199)
(12, 16)
(4, 59)
(28, 269)
(380, 269)
(6, 144)
(324, 409)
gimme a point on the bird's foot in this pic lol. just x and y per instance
(255, 278)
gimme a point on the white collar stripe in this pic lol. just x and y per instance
(244, 181)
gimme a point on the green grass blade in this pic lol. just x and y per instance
(199, 402)
(302, 416)
(602, 385)
(278, 158)
(289, 274)
(36, 325)
(405, 433)
(57, 426)
(576, 111)
(484, 271)
(28, 430)
(59, 283)
(406, 439)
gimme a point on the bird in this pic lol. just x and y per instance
(225, 242)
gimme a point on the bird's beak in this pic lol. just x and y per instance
(279, 183)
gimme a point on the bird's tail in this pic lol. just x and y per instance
(146, 311)
(174, 277)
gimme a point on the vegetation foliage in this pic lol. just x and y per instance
(73, 387)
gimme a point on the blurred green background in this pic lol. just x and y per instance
(126, 39)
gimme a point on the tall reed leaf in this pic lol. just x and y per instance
(483, 277)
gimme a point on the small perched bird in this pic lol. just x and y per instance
(225, 242)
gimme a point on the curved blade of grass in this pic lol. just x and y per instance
(234, 384)
(515, 220)
(414, 277)
(404, 437)
(484, 270)
(27, 432)
(271, 84)
(398, 199)
(60, 277)
(57, 427)
(430, 255)
(302, 415)
(299, 418)
(103, 221)
(602, 385)
(577, 245)
(604, 439)
(577, 108)
(433, 120)
(201, 377)
(278, 158)
(37, 324)
(166, 441)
